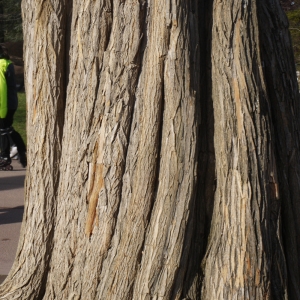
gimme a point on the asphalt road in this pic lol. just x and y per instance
(11, 213)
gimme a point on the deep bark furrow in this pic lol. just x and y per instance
(202, 208)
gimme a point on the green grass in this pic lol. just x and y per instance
(20, 117)
(294, 20)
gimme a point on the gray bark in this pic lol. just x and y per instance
(160, 161)
(245, 236)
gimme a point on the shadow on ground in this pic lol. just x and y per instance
(11, 215)
(2, 278)
(6, 183)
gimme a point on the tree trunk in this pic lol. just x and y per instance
(279, 68)
(163, 157)
(244, 256)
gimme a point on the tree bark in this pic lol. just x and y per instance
(244, 256)
(279, 67)
(44, 40)
(162, 152)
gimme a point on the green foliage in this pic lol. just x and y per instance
(20, 117)
(11, 20)
(294, 20)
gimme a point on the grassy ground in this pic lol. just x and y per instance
(294, 19)
(20, 117)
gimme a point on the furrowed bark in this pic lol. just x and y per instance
(177, 171)
(100, 105)
(45, 94)
(139, 179)
(246, 220)
(279, 68)
(201, 210)
(180, 124)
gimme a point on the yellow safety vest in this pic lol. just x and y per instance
(4, 63)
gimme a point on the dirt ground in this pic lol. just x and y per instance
(290, 4)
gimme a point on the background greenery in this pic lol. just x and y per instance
(10, 21)
(294, 19)
(20, 117)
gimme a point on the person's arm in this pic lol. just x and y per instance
(12, 98)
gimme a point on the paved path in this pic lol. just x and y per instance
(11, 212)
